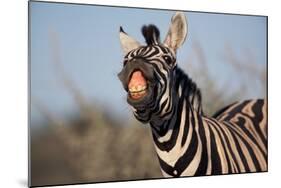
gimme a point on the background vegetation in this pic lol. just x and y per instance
(92, 145)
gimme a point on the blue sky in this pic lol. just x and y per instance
(88, 38)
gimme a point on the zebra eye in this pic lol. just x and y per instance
(167, 59)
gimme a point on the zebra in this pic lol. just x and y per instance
(187, 142)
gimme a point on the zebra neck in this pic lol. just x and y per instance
(186, 88)
(177, 140)
(166, 133)
(180, 144)
(183, 89)
(172, 136)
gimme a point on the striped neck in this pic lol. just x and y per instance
(173, 137)
(183, 89)
(187, 89)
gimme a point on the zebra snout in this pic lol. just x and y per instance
(145, 74)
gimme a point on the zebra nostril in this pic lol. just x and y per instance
(120, 76)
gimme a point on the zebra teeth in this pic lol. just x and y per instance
(137, 89)
(137, 92)
(137, 95)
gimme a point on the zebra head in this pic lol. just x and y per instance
(148, 70)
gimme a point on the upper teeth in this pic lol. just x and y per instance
(137, 88)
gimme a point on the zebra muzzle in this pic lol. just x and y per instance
(137, 85)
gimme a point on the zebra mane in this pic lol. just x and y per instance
(151, 34)
(189, 90)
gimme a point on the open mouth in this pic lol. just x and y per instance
(137, 85)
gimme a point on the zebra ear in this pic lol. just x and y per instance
(177, 31)
(127, 42)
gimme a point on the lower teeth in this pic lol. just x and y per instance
(138, 94)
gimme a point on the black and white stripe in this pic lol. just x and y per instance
(187, 142)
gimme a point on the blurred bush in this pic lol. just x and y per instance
(92, 146)
(92, 150)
